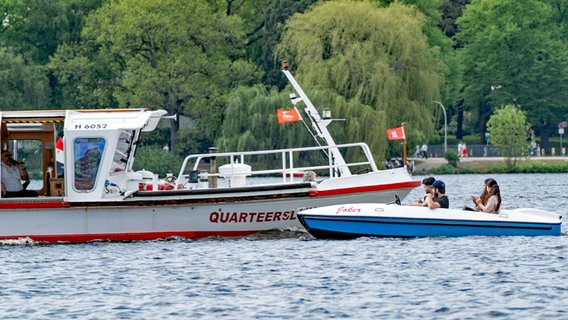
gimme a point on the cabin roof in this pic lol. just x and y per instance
(56, 114)
(43, 120)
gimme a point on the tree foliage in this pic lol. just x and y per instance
(22, 86)
(376, 56)
(520, 49)
(250, 122)
(376, 63)
(177, 56)
(263, 41)
(508, 128)
(35, 28)
(157, 160)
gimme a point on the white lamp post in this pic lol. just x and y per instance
(445, 127)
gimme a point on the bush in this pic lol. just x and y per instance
(452, 158)
(445, 169)
(157, 160)
(467, 170)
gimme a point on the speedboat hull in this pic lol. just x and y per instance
(349, 221)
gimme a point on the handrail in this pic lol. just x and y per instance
(287, 167)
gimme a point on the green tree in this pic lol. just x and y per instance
(179, 56)
(378, 57)
(87, 74)
(263, 40)
(520, 49)
(508, 127)
(155, 159)
(35, 28)
(264, 22)
(22, 86)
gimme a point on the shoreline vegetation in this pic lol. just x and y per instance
(491, 165)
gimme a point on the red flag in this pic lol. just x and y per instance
(291, 115)
(59, 155)
(396, 133)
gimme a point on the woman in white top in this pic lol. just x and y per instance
(490, 199)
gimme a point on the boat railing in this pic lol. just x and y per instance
(286, 167)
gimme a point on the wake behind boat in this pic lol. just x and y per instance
(348, 221)
(96, 195)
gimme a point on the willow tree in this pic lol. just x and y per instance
(378, 57)
(250, 123)
(508, 127)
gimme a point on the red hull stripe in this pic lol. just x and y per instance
(33, 205)
(380, 187)
(130, 236)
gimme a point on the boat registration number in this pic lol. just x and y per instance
(91, 126)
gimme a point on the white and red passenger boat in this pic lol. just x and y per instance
(98, 196)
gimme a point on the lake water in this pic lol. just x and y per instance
(289, 275)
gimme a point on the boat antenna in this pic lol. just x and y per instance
(319, 124)
(294, 102)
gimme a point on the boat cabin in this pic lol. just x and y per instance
(80, 154)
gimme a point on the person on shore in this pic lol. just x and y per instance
(13, 172)
(437, 198)
(532, 148)
(417, 153)
(464, 150)
(424, 151)
(460, 147)
(426, 183)
(490, 199)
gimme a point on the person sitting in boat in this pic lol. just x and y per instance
(437, 197)
(490, 199)
(426, 183)
(13, 172)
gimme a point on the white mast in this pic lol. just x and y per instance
(318, 123)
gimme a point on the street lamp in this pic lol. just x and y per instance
(445, 127)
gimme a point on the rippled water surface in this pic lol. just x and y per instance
(289, 275)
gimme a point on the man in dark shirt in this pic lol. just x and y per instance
(437, 198)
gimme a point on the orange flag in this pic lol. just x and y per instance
(396, 134)
(291, 115)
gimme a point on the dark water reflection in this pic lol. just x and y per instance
(289, 275)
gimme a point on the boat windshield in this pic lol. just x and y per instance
(87, 157)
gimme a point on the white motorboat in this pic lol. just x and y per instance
(348, 221)
(98, 196)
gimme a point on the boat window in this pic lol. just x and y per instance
(87, 154)
(123, 149)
